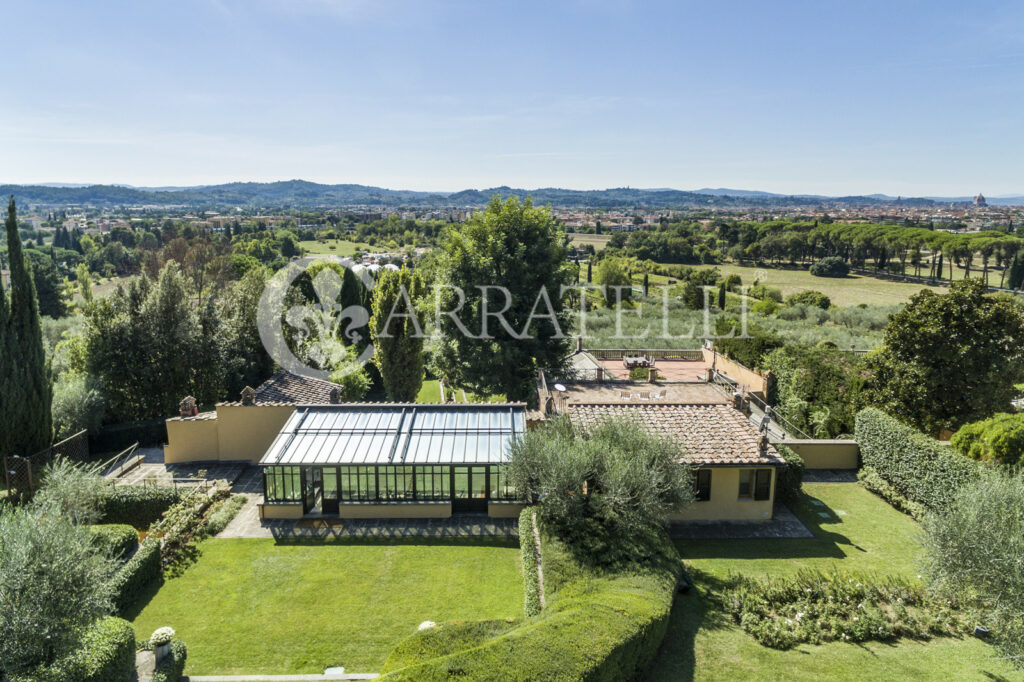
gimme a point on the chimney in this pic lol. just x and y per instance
(187, 407)
(737, 400)
(335, 396)
(579, 344)
(248, 396)
(762, 444)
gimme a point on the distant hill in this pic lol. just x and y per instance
(304, 194)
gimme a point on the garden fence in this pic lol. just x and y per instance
(22, 474)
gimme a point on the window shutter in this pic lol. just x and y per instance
(763, 484)
(702, 482)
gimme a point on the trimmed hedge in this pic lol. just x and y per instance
(790, 479)
(106, 653)
(142, 570)
(917, 467)
(119, 539)
(527, 551)
(136, 505)
(173, 665)
(870, 479)
(603, 624)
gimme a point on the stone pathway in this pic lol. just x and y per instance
(784, 524)
(145, 664)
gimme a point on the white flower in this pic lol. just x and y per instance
(855, 618)
(161, 636)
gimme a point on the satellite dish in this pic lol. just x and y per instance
(560, 388)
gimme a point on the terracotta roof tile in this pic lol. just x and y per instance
(708, 434)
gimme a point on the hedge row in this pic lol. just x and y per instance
(789, 479)
(601, 625)
(117, 539)
(171, 668)
(870, 479)
(136, 505)
(917, 467)
(135, 577)
(106, 653)
(527, 550)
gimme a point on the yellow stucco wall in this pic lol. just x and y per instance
(735, 371)
(280, 511)
(826, 454)
(504, 510)
(246, 431)
(191, 441)
(725, 504)
(405, 510)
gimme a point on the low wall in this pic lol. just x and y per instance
(826, 454)
(280, 511)
(247, 431)
(504, 510)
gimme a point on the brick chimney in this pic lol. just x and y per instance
(187, 407)
(762, 444)
(248, 395)
(579, 344)
(335, 396)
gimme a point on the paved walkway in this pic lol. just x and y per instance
(784, 524)
(830, 476)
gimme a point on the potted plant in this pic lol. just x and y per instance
(160, 640)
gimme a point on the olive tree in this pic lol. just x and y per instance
(975, 548)
(53, 584)
(611, 480)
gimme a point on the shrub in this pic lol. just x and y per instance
(975, 546)
(870, 479)
(104, 653)
(763, 293)
(137, 575)
(811, 298)
(117, 540)
(76, 405)
(917, 467)
(766, 306)
(527, 551)
(222, 513)
(75, 490)
(789, 479)
(173, 665)
(135, 505)
(830, 267)
(733, 283)
(182, 525)
(998, 439)
(813, 607)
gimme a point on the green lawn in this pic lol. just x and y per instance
(857, 532)
(845, 291)
(430, 392)
(342, 247)
(253, 606)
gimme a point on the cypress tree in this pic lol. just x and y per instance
(938, 271)
(6, 389)
(721, 296)
(590, 271)
(27, 411)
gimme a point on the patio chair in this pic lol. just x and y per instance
(645, 395)
(660, 395)
(625, 395)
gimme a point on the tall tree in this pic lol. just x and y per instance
(949, 359)
(26, 416)
(519, 248)
(397, 333)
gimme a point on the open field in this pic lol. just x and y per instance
(855, 531)
(256, 607)
(598, 241)
(341, 247)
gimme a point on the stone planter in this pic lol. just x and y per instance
(160, 652)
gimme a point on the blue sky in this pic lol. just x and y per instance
(911, 98)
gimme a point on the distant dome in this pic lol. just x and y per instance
(980, 200)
